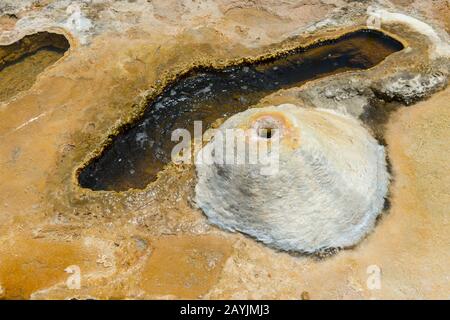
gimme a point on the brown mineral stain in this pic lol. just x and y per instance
(8, 22)
(185, 266)
(28, 265)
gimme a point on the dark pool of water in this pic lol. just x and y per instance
(22, 61)
(136, 156)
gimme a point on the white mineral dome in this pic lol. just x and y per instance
(322, 186)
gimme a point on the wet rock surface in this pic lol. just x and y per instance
(121, 54)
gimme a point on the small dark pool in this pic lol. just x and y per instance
(136, 156)
(22, 61)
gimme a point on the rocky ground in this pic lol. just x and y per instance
(153, 243)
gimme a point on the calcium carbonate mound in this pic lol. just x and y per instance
(296, 178)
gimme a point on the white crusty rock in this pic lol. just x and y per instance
(325, 189)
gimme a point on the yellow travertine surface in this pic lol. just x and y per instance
(154, 243)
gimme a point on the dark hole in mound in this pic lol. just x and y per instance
(265, 133)
(136, 155)
(266, 128)
(22, 61)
